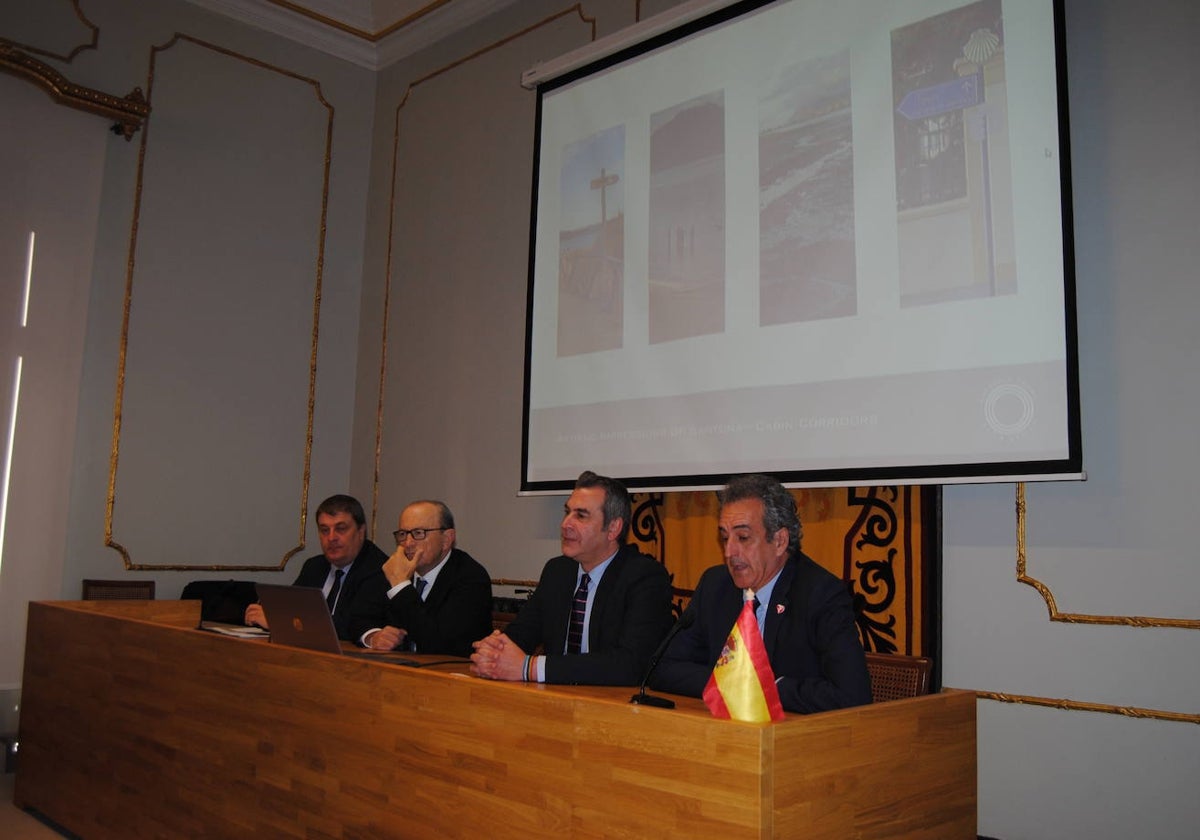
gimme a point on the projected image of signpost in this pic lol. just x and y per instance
(806, 193)
(687, 219)
(953, 170)
(591, 244)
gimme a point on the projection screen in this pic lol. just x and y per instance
(826, 239)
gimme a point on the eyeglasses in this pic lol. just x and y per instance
(417, 534)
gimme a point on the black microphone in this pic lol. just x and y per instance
(642, 698)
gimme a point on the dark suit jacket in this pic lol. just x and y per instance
(809, 634)
(631, 614)
(364, 589)
(456, 611)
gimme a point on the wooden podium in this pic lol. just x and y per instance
(135, 724)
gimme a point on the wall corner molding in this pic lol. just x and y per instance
(1080, 618)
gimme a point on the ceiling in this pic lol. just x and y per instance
(370, 33)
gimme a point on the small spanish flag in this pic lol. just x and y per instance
(742, 685)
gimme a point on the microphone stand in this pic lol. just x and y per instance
(642, 698)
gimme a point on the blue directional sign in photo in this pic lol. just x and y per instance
(937, 99)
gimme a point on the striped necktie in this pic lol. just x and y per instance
(578, 610)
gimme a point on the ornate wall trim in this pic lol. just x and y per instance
(114, 454)
(366, 35)
(87, 45)
(1081, 706)
(127, 112)
(1080, 618)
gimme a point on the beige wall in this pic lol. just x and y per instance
(43, 297)
(457, 278)
(229, 197)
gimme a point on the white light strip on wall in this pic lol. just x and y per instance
(28, 278)
(8, 457)
(11, 438)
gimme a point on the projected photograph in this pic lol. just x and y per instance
(806, 193)
(591, 243)
(687, 219)
(953, 173)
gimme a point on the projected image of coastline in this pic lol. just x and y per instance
(953, 170)
(687, 219)
(806, 193)
(591, 244)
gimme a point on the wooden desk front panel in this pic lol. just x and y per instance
(132, 728)
(906, 768)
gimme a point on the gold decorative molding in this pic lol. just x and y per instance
(1081, 706)
(128, 112)
(114, 454)
(1079, 618)
(88, 45)
(387, 284)
(372, 37)
(530, 584)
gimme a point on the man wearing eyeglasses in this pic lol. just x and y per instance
(440, 600)
(349, 568)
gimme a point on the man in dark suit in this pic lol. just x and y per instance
(349, 568)
(599, 610)
(440, 599)
(805, 613)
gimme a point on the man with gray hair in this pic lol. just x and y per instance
(804, 613)
(600, 608)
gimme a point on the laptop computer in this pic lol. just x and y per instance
(298, 616)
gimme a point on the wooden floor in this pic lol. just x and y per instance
(16, 824)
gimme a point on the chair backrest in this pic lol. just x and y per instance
(221, 600)
(118, 590)
(895, 677)
(506, 607)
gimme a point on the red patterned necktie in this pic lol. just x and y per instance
(578, 610)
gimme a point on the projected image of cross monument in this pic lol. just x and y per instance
(591, 244)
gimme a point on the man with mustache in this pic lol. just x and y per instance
(805, 614)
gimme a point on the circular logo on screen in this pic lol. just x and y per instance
(1008, 408)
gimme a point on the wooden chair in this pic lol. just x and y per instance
(118, 590)
(895, 677)
(506, 607)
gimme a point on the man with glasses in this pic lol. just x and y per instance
(599, 610)
(349, 570)
(440, 600)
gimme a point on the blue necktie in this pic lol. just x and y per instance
(420, 583)
(578, 610)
